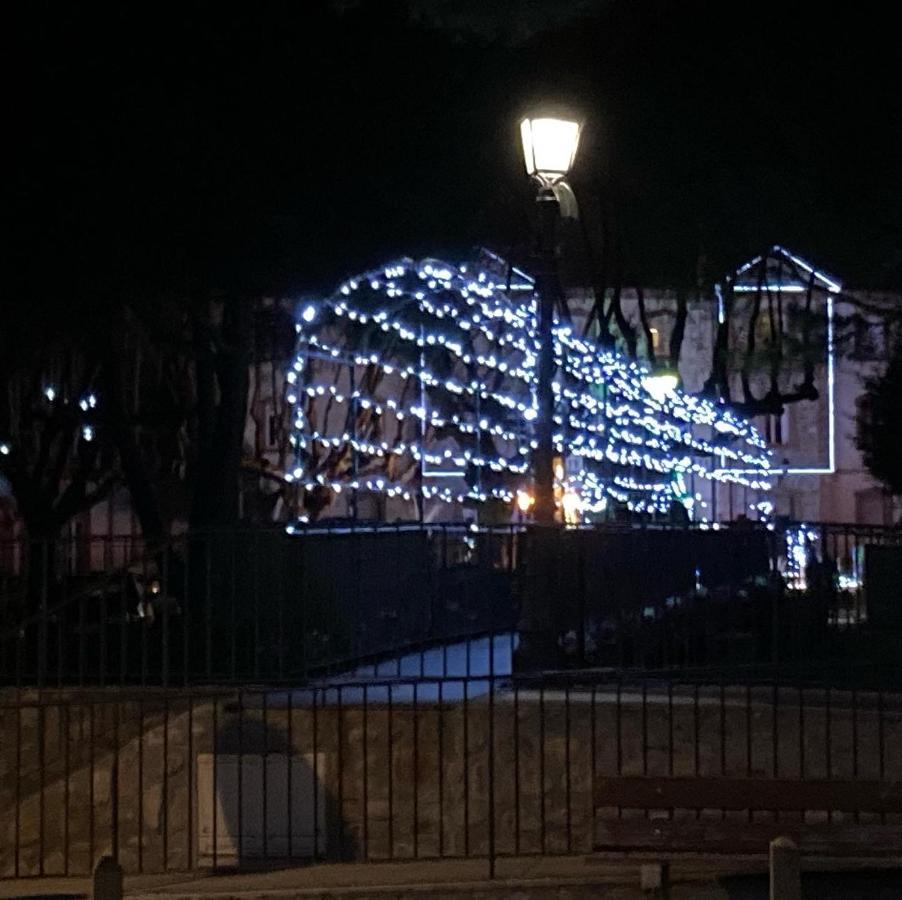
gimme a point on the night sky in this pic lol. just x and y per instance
(274, 149)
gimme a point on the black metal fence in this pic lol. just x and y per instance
(248, 606)
(413, 768)
(266, 607)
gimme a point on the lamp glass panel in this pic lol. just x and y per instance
(552, 143)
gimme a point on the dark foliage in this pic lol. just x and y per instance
(880, 425)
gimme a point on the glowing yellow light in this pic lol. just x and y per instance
(559, 471)
(524, 501)
(549, 147)
(573, 506)
(661, 384)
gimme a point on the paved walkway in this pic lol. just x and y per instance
(574, 878)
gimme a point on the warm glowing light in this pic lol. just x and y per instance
(549, 147)
(661, 384)
(525, 501)
(573, 506)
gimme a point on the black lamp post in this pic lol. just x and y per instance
(549, 148)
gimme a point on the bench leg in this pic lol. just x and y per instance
(108, 880)
(785, 870)
(655, 879)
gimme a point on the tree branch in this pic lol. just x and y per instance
(646, 328)
(679, 329)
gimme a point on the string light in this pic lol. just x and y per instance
(470, 348)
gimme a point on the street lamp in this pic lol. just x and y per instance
(549, 149)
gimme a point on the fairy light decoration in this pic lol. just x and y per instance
(442, 360)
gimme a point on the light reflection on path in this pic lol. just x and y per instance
(466, 661)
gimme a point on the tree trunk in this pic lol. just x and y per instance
(221, 424)
(122, 433)
(679, 329)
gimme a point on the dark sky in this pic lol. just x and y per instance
(276, 148)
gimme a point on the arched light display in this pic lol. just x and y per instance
(444, 361)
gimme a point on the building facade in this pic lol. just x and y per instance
(805, 327)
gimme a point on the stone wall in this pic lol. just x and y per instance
(400, 781)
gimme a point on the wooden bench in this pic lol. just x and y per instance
(673, 819)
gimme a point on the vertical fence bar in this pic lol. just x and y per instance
(466, 773)
(62, 650)
(441, 768)
(166, 601)
(208, 607)
(828, 729)
(516, 768)
(123, 632)
(233, 647)
(186, 607)
(18, 812)
(542, 822)
(618, 721)
(42, 617)
(390, 739)
(214, 798)
(81, 641)
(91, 766)
(240, 763)
(189, 775)
(66, 735)
(748, 730)
(141, 784)
(264, 696)
(723, 727)
(289, 750)
(340, 774)
(416, 766)
(696, 743)
(280, 608)
(366, 781)
(316, 773)
(164, 810)
(801, 729)
(145, 598)
(670, 727)
(255, 596)
(491, 738)
(567, 771)
(103, 625)
(42, 763)
(114, 784)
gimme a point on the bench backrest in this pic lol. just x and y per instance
(765, 794)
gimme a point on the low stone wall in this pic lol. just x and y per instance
(394, 780)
